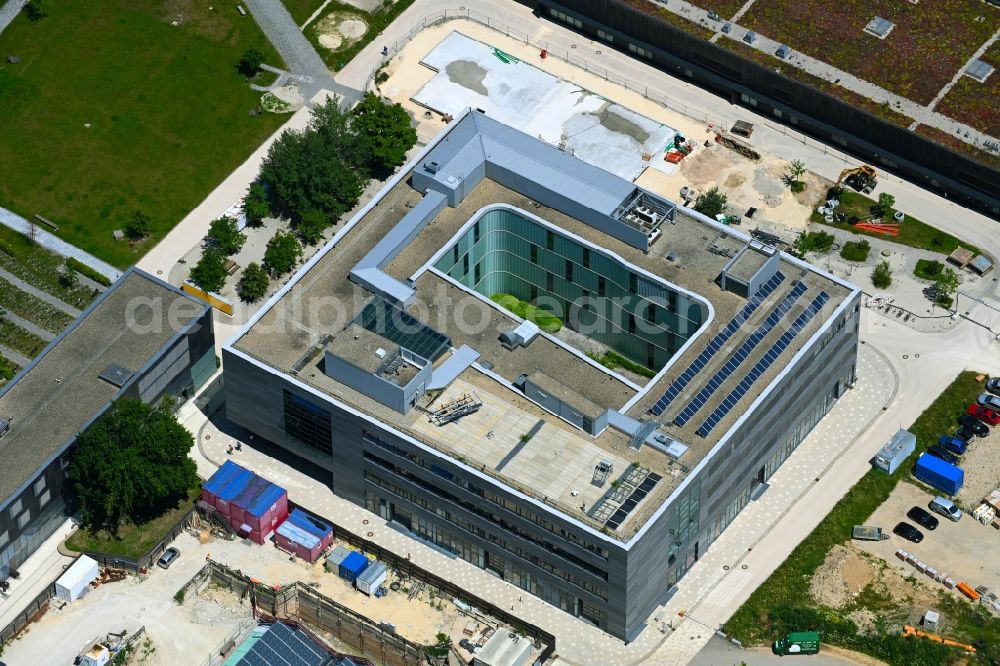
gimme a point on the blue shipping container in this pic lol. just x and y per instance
(937, 473)
(352, 566)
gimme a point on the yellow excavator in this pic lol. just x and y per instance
(863, 179)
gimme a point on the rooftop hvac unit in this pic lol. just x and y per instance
(432, 167)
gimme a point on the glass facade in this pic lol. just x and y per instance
(308, 422)
(592, 292)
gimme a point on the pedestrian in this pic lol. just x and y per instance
(229, 451)
(385, 50)
(239, 446)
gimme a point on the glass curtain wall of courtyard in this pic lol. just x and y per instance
(593, 293)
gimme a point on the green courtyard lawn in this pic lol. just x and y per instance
(783, 602)
(912, 232)
(133, 541)
(113, 109)
(301, 10)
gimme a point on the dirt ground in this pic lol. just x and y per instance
(982, 470)
(961, 549)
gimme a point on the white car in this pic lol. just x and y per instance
(988, 400)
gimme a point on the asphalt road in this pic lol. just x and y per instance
(720, 653)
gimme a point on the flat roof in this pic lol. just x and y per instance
(289, 334)
(62, 390)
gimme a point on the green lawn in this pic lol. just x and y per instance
(783, 602)
(376, 21)
(613, 360)
(912, 232)
(301, 10)
(167, 114)
(546, 321)
(133, 541)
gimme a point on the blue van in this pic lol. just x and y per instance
(953, 444)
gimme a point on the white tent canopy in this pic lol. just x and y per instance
(75, 580)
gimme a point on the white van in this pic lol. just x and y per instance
(946, 508)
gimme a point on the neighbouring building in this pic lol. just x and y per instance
(590, 465)
(141, 339)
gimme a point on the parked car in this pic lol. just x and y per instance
(993, 385)
(168, 557)
(984, 414)
(938, 452)
(922, 518)
(468, 645)
(953, 444)
(974, 424)
(945, 507)
(965, 434)
(989, 400)
(908, 532)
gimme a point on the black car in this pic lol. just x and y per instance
(946, 456)
(965, 434)
(468, 645)
(922, 518)
(975, 425)
(908, 532)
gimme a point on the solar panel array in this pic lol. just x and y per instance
(716, 343)
(393, 323)
(281, 644)
(633, 500)
(762, 365)
(740, 355)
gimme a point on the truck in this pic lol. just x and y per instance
(797, 642)
(937, 473)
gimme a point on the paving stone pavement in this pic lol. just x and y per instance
(923, 115)
(579, 642)
(17, 357)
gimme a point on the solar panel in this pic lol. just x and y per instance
(740, 355)
(393, 323)
(761, 366)
(715, 344)
(116, 375)
(281, 644)
(630, 504)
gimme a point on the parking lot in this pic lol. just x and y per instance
(964, 549)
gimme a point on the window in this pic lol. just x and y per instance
(454, 253)
(465, 265)
(44, 499)
(39, 486)
(15, 508)
(569, 270)
(645, 53)
(477, 276)
(534, 253)
(308, 423)
(600, 286)
(633, 283)
(586, 258)
(631, 323)
(605, 36)
(560, 16)
(550, 281)
(650, 313)
(475, 233)
(23, 519)
(550, 241)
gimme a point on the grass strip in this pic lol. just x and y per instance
(613, 360)
(546, 321)
(783, 604)
(84, 269)
(33, 309)
(18, 339)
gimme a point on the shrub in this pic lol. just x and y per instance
(814, 241)
(138, 227)
(253, 283)
(250, 63)
(84, 269)
(711, 203)
(882, 275)
(35, 10)
(928, 269)
(311, 225)
(855, 250)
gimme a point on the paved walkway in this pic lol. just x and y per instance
(38, 293)
(8, 12)
(29, 326)
(38, 572)
(921, 114)
(55, 244)
(298, 53)
(14, 356)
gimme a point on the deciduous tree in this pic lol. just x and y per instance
(253, 284)
(210, 271)
(711, 203)
(385, 131)
(224, 236)
(282, 253)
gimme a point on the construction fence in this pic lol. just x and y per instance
(137, 565)
(31, 613)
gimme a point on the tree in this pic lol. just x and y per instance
(250, 63)
(130, 465)
(795, 170)
(814, 241)
(320, 168)
(282, 253)
(882, 275)
(944, 287)
(209, 273)
(384, 130)
(253, 284)
(225, 236)
(68, 277)
(886, 202)
(256, 206)
(138, 227)
(711, 203)
(311, 226)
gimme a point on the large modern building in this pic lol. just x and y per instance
(140, 339)
(590, 465)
